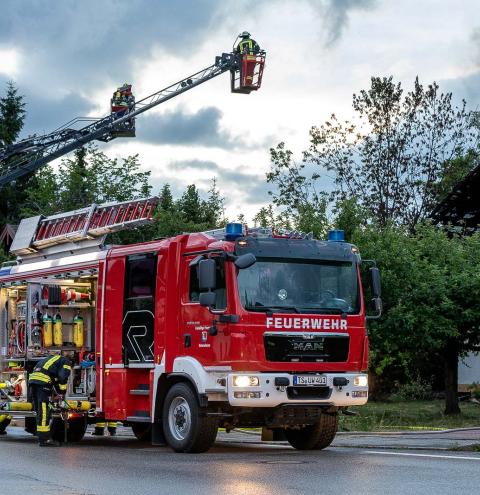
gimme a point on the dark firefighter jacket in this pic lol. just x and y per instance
(248, 46)
(51, 371)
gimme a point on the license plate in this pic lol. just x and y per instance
(307, 380)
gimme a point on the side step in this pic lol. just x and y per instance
(139, 391)
(139, 419)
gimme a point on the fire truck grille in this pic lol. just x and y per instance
(306, 348)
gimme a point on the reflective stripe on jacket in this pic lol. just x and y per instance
(248, 45)
(51, 370)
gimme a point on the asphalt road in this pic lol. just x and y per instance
(122, 465)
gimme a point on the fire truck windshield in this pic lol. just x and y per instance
(299, 286)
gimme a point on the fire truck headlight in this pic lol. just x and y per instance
(246, 381)
(360, 381)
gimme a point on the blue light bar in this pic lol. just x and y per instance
(336, 236)
(233, 231)
(5, 271)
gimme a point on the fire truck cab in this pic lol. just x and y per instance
(227, 328)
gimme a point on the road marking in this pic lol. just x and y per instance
(433, 456)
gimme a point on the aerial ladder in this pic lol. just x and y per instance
(30, 154)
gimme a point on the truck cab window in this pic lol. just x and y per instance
(140, 276)
(221, 290)
(139, 308)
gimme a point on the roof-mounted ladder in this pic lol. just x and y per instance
(80, 229)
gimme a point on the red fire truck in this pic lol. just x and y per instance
(178, 337)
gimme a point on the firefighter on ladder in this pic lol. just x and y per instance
(49, 373)
(100, 428)
(248, 48)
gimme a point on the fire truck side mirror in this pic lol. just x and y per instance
(376, 287)
(245, 261)
(375, 282)
(207, 299)
(207, 275)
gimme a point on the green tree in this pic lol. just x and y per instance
(392, 158)
(431, 286)
(166, 198)
(214, 208)
(190, 205)
(12, 116)
(89, 176)
(190, 213)
(298, 195)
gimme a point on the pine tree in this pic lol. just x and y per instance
(12, 116)
(191, 205)
(214, 206)
(166, 198)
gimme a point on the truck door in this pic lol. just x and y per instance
(139, 309)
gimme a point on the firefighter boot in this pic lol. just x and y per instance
(112, 428)
(98, 431)
(49, 443)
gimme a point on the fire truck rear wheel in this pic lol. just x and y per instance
(142, 431)
(185, 428)
(314, 437)
(76, 429)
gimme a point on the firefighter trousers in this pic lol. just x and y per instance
(41, 403)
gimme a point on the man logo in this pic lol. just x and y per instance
(307, 346)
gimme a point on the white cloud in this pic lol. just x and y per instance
(9, 61)
(319, 52)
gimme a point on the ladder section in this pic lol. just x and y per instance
(79, 226)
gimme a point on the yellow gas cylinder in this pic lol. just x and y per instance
(58, 330)
(47, 331)
(79, 405)
(78, 331)
(19, 406)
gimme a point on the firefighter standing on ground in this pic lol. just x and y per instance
(50, 372)
(100, 428)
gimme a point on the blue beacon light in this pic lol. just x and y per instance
(233, 231)
(336, 236)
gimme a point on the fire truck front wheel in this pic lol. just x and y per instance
(314, 437)
(185, 428)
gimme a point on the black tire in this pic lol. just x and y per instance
(143, 431)
(31, 425)
(314, 437)
(185, 428)
(76, 429)
(5, 423)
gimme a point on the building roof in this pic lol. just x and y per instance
(462, 206)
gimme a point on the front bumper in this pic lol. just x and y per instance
(267, 394)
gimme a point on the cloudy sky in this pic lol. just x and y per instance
(67, 57)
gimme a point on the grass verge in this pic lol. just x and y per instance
(411, 415)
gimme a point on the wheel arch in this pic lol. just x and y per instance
(165, 383)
